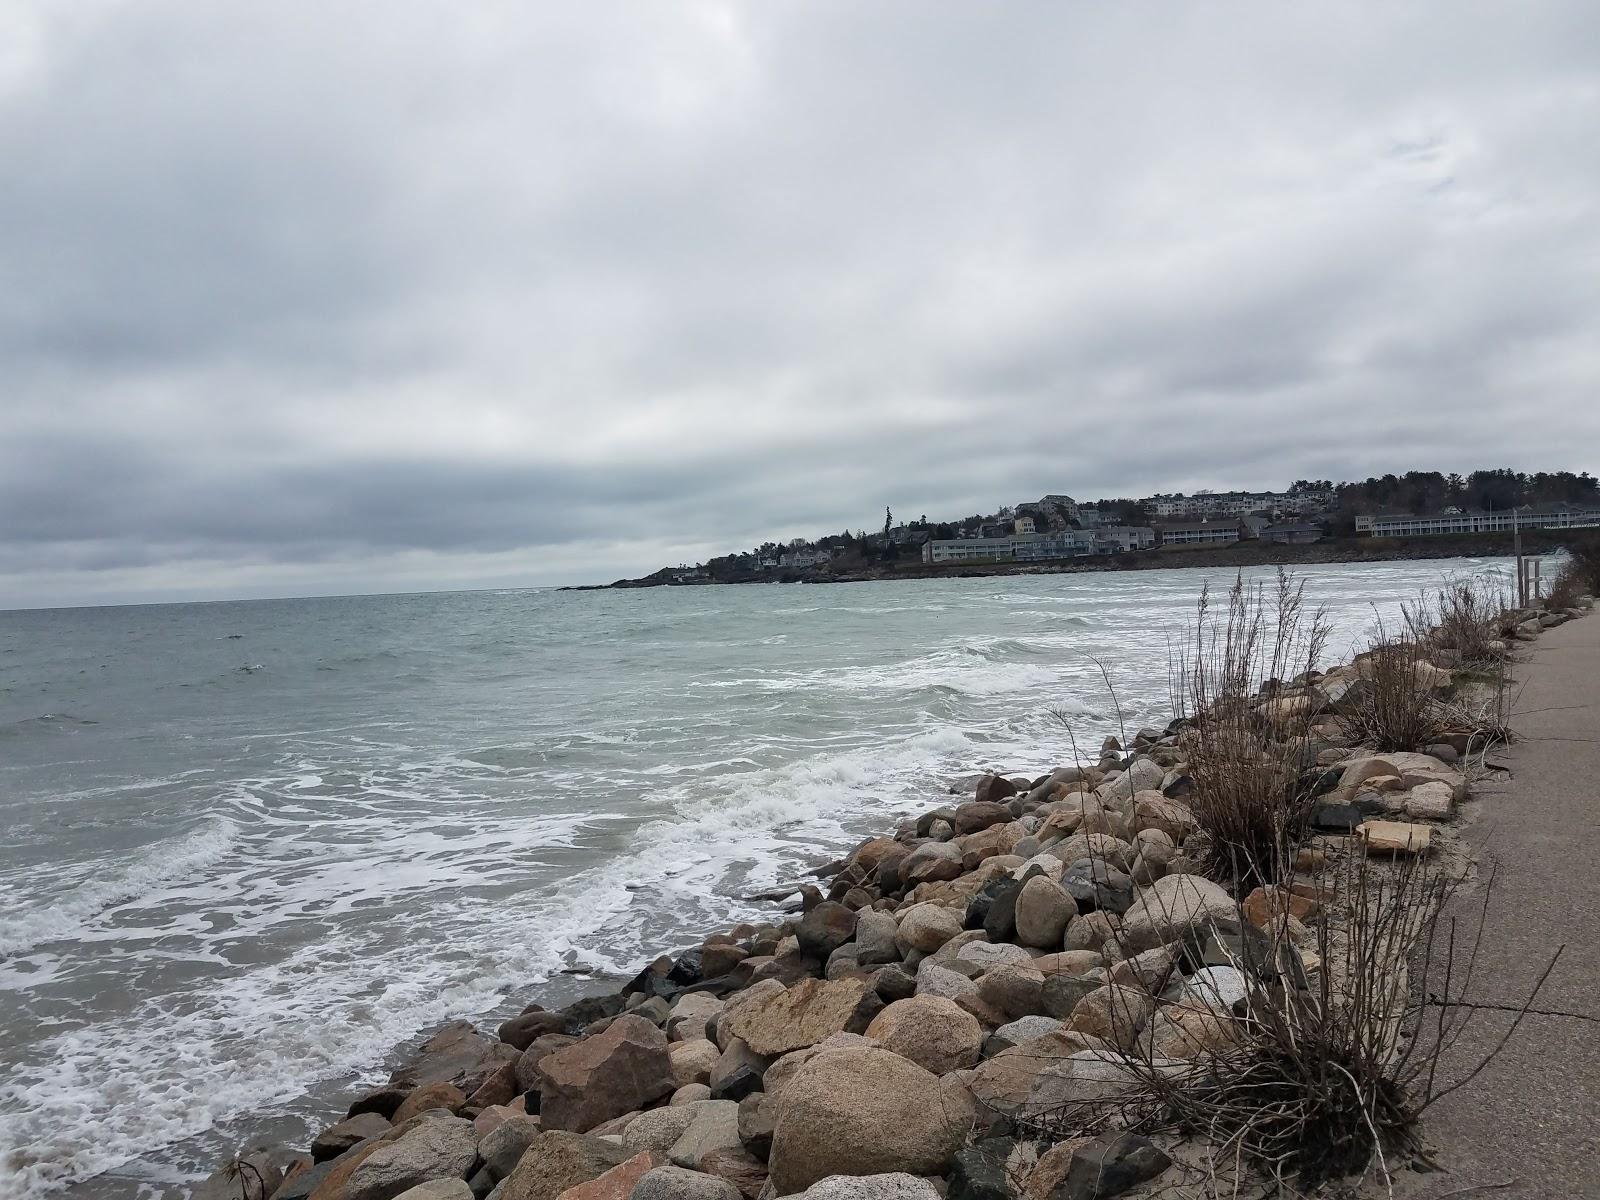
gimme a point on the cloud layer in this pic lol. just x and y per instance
(307, 298)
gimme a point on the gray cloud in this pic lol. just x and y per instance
(306, 299)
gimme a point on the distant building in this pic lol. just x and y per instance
(1025, 547)
(1535, 516)
(1127, 537)
(802, 558)
(1023, 525)
(1203, 533)
(1253, 527)
(1292, 533)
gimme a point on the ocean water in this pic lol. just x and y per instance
(247, 849)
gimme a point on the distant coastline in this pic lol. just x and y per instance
(1238, 554)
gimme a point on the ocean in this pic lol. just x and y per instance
(247, 849)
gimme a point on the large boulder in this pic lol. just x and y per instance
(802, 1015)
(927, 927)
(1113, 1014)
(1171, 909)
(715, 1127)
(677, 1183)
(935, 1033)
(442, 1148)
(825, 928)
(622, 1068)
(558, 1160)
(875, 939)
(459, 1055)
(692, 1061)
(896, 1185)
(655, 1131)
(861, 1111)
(502, 1148)
(616, 1184)
(1043, 910)
(1005, 1083)
(978, 815)
(930, 863)
(336, 1139)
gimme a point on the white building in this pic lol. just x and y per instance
(1542, 516)
(1204, 533)
(1128, 537)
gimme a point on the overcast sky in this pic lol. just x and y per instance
(303, 297)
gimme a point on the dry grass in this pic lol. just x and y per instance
(1326, 1080)
(1579, 576)
(1467, 616)
(1247, 726)
(1394, 707)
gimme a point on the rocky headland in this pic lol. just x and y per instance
(1032, 991)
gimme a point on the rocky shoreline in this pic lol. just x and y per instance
(970, 1008)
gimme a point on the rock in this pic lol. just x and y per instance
(931, 1031)
(558, 1160)
(437, 1149)
(601, 1077)
(926, 927)
(979, 815)
(522, 1030)
(1395, 837)
(382, 1100)
(825, 928)
(934, 980)
(1109, 1165)
(1043, 910)
(1412, 769)
(616, 1184)
(875, 939)
(690, 1013)
(894, 982)
(1113, 1014)
(715, 1127)
(260, 1179)
(1014, 1033)
(993, 788)
(1177, 1032)
(689, 1093)
(656, 1130)
(439, 1189)
(719, 958)
(986, 956)
(802, 1015)
(930, 862)
(430, 1095)
(1142, 775)
(737, 1072)
(1149, 971)
(526, 1067)
(1062, 992)
(895, 1185)
(335, 1175)
(1091, 931)
(1170, 909)
(1155, 812)
(336, 1139)
(692, 1061)
(1005, 1083)
(299, 1184)
(1082, 1081)
(985, 1170)
(458, 1055)
(1097, 885)
(758, 1113)
(745, 1171)
(503, 1147)
(833, 1115)
(1430, 802)
(1000, 913)
(1216, 988)
(676, 1183)
(1013, 988)
(1050, 1170)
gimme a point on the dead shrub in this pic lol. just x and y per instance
(1332, 1067)
(1247, 727)
(1394, 708)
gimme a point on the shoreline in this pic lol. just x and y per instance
(1237, 555)
(932, 919)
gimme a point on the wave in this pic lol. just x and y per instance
(65, 919)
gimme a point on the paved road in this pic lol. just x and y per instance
(1532, 1117)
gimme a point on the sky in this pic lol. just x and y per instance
(305, 298)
